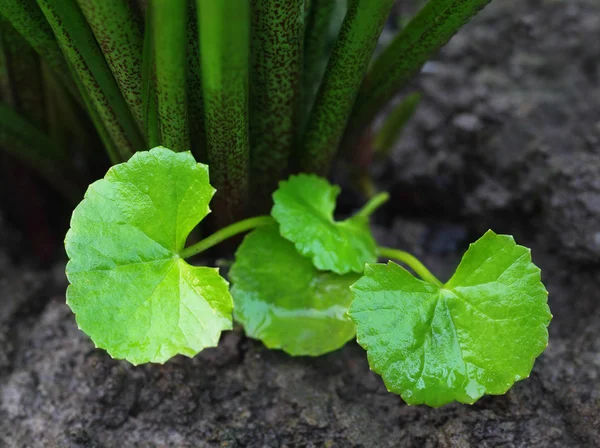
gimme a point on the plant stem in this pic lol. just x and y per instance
(225, 233)
(374, 203)
(411, 261)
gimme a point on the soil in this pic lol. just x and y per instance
(507, 137)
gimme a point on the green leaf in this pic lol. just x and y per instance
(149, 107)
(170, 50)
(304, 207)
(194, 86)
(27, 18)
(395, 123)
(131, 291)
(321, 25)
(119, 32)
(93, 74)
(475, 335)
(276, 79)
(341, 82)
(281, 298)
(224, 41)
(429, 30)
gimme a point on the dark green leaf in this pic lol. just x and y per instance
(170, 56)
(344, 74)
(31, 145)
(27, 18)
(224, 28)
(119, 32)
(276, 76)
(395, 122)
(431, 28)
(94, 75)
(322, 24)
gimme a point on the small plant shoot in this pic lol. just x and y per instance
(295, 285)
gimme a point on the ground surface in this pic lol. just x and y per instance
(508, 137)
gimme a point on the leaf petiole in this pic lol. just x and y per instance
(225, 233)
(374, 203)
(411, 261)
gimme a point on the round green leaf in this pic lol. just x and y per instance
(130, 290)
(281, 298)
(304, 207)
(475, 335)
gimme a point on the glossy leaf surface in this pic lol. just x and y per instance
(475, 335)
(131, 291)
(281, 298)
(304, 207)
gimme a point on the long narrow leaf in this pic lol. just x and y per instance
(18, 131)
(194, 87)
(150, 112)
(431, 28)
(28, 143)
(275, 97)
(118, 30)
(224, 30)
(24, 73)
(109, 145)
(27, 18)
(170, 47)
(345, 71)
(58, 119)
(6, 91)
(395, 122)
(321, 23)
(82, 51)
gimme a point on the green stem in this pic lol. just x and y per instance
(411, 261)
(374, 203)
(225, 233)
